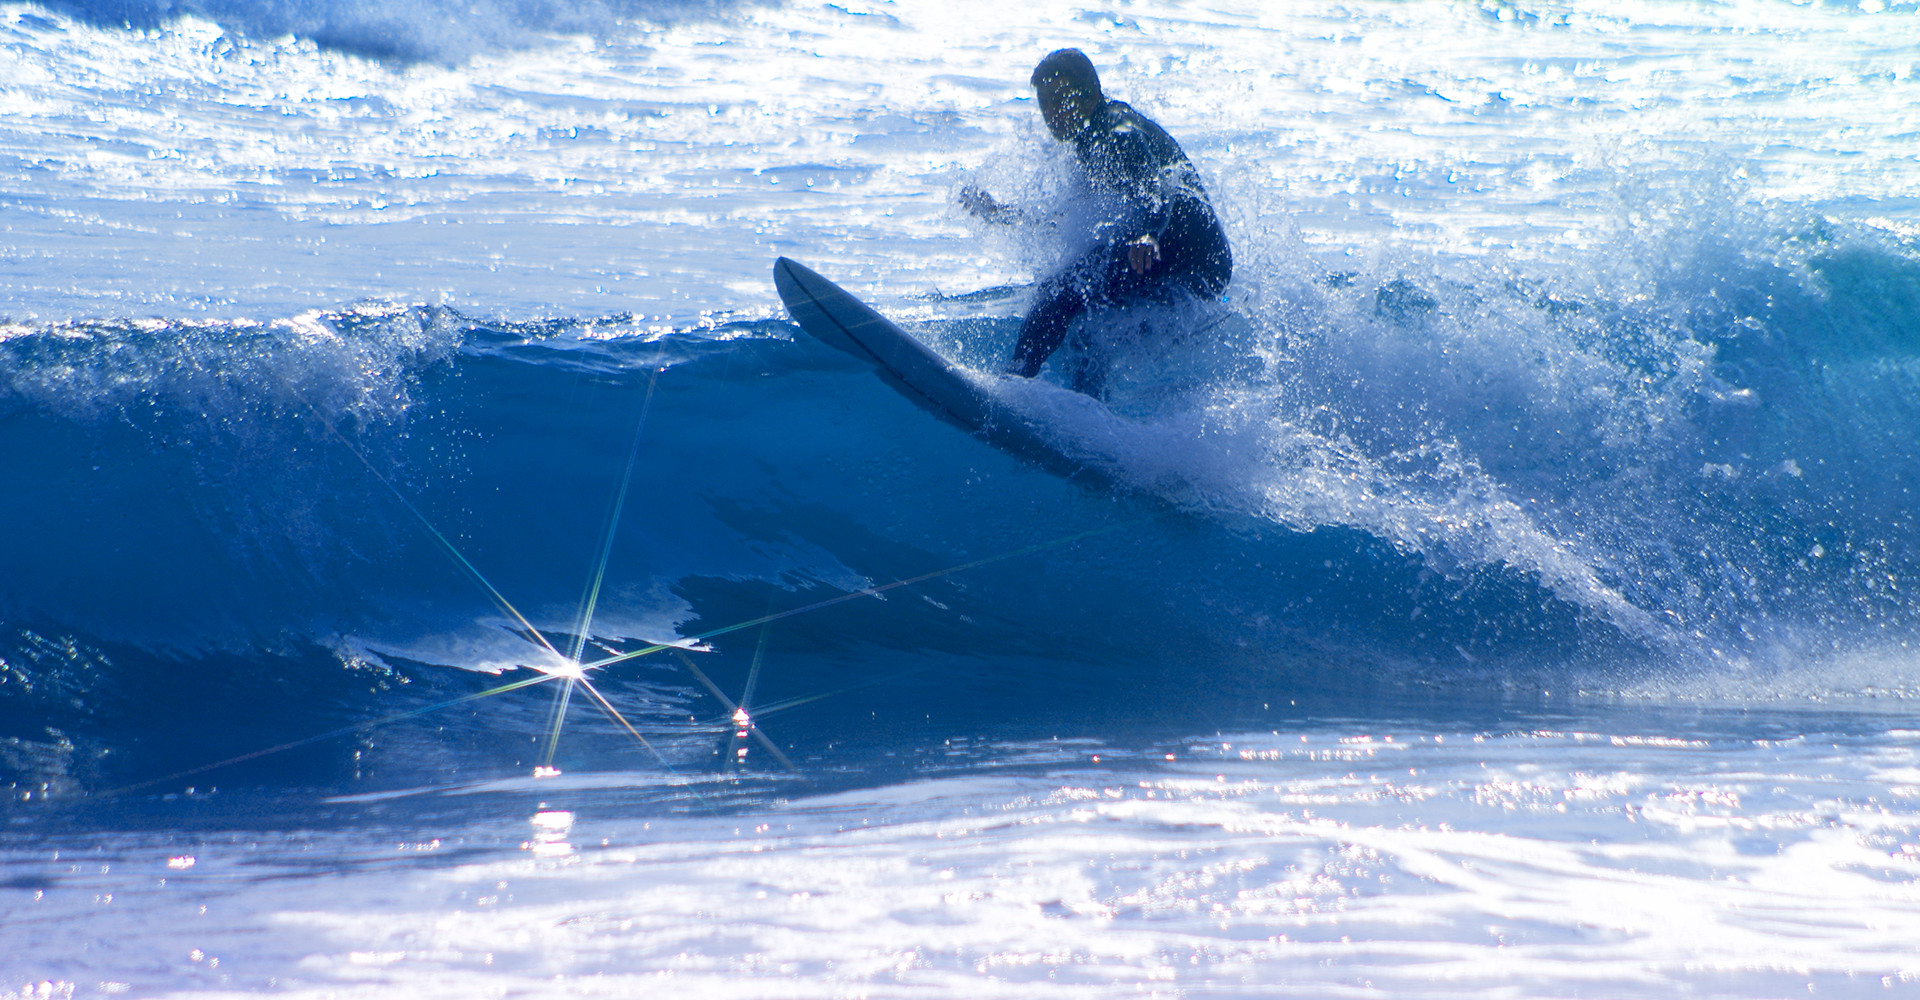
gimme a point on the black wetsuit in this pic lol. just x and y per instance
(1128, 155)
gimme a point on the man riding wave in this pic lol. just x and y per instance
(1165, 238)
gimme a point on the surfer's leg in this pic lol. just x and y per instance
(1215, 270)
(1056, 304)
(1101, 278)
(1089, 376)
(1195, 254)
(1086, 367)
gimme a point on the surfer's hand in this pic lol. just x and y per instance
(979, 202)
(1142, 254)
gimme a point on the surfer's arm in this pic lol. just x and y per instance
(1150, 223)
(1140, 162)
(984, 206)
(1171, 212)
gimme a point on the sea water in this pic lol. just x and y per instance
(1510, 589)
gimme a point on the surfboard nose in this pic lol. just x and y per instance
(787, 278)
(786, 269)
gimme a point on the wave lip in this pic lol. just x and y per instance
(438, 31)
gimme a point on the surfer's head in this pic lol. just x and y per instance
(1069, 91)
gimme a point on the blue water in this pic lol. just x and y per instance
(1512, 587)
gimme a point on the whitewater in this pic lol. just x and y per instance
(433, 565)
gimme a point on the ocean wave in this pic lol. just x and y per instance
(1502, 485)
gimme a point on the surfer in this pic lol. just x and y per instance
(1164, 237)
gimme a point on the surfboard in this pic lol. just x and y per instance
(831, 315)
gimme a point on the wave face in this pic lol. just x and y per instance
(1531, 378)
